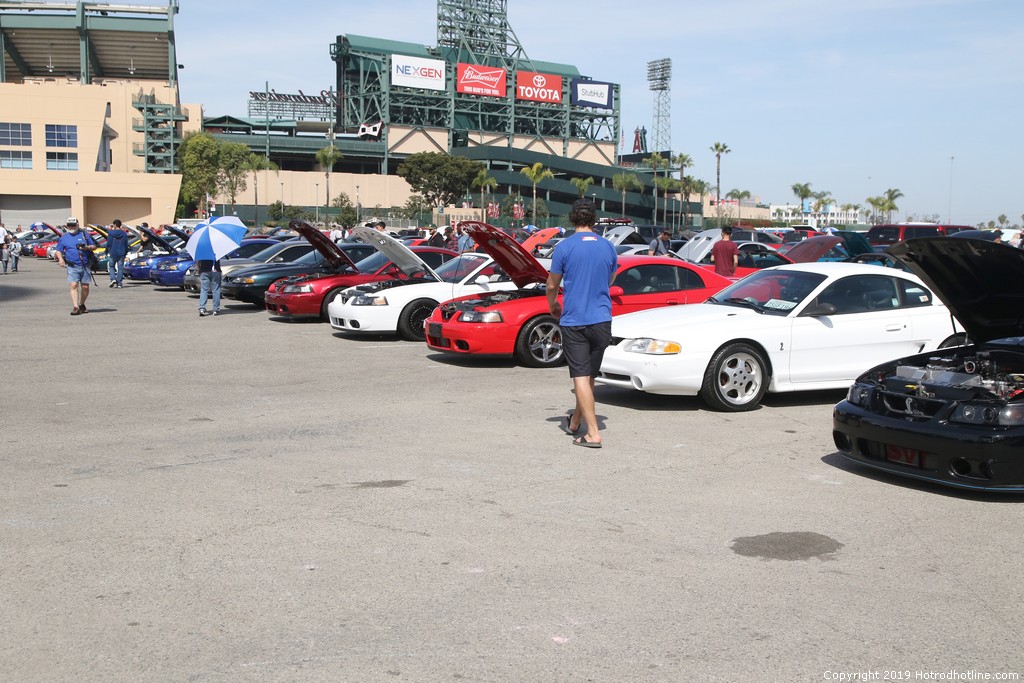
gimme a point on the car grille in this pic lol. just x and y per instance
(908, 406)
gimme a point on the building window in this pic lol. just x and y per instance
(12, 159)
(59, 135)
(19, 134)
(62, 161)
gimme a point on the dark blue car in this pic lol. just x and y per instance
(138, 267)
(171, 273)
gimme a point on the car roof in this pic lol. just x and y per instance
(842, 268)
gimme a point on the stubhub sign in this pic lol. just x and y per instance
(416, 72)
(591, 94)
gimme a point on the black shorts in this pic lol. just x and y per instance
(584, 348)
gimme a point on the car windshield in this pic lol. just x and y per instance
(269, 253)
(770, 291)
(794, 236)
(372, 263)
(312, 258)
(457, 269)
(883, 235)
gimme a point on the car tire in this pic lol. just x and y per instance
(410, 322)
(539, 344)
(736, 378)
(328, 298)
(959, 339)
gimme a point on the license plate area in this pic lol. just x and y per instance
(910, 457)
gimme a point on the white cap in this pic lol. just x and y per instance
(71, 221)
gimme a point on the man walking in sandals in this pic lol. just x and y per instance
(585, 264)
(72, 252)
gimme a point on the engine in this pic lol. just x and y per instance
(984, 374)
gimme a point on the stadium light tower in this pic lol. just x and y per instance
(479, 31)
(659, 80)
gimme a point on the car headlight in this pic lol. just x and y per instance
(481, 317)
(366, 300)
(658, 347)
(191, 270)
(1003, 416)
(245, 280)
(860, 395)
(298, 289)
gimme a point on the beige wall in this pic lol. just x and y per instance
(126, 191)
(309, 188)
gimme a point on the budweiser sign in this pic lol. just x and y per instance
(481, 80)
(538, 87)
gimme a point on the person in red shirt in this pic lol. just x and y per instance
(725, 254)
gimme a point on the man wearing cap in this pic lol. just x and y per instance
(71, 253)
(660, 245)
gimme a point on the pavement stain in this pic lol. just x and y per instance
(789, 546)
(383, 484)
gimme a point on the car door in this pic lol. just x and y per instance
(869, 327)
(657, 284)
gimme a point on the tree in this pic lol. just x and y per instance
(719, 148)
(232, 159)
(582, 185)
(822, 200)
(889, 202)
(739, 196)
(347, 216)
(327, 157)
(414, 208)
(200, 169)
(656, 161)
(623, 183)
(536, 174)
(486, 183)
(803, 192)
(439, 178)
(666, 185)
(255, 163)
(684, 161)
(701, 188)
(1002, 220)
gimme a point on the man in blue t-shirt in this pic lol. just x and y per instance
(585, 262)
(71, 252)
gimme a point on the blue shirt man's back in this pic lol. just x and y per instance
(586, 262)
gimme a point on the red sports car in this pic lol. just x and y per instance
(307, 296)
(517, 322)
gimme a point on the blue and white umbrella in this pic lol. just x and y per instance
(216, 239)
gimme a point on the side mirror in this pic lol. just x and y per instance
(818, 310)
(483, 281)
(616, 291)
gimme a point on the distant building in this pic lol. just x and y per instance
(795, 214)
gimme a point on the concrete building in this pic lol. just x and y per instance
(89, 113)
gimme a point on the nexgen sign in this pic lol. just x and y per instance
(416, 72)
(538, 87)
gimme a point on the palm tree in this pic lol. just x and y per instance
(623, 183)
(701, 188)
(803, 192)
(327, 157)
(719, 148)
(685, 162)
(666, 185)
(486, 183)
(656, 161)
(889, 202)
(255, 163)
(582, 185)
(685, 188)
(739, 196)
(1002, 219)
(822, 200)
(535, 174)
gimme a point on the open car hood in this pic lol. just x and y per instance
(700, 245)
(624, 234)
(331, 252)
(539, 237)
(399, 254)
(159, 241)
(813, 248)
(180, 234)
(513, 257)
(978, 281)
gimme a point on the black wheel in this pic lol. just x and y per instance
(410, 322)
(959, 339)
(328, 298)
(736, 378)
(539, 344)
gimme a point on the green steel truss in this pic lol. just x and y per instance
(159, 123)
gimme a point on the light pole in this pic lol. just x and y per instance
(317, 201)
(358, 208)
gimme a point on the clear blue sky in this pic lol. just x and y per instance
(852, 96)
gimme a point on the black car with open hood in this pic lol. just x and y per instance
(954, 416)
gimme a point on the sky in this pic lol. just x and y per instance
(853, 97)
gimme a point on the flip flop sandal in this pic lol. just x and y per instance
(582, 441)
(569, 430)
(75, 311)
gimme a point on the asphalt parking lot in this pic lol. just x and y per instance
(238, 498)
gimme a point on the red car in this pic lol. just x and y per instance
(517, 323)
(307, 296)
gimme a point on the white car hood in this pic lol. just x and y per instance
(671, 322)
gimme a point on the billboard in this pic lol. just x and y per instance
(586, 93)
(474, 79)
(416, 72)
(538, 87)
